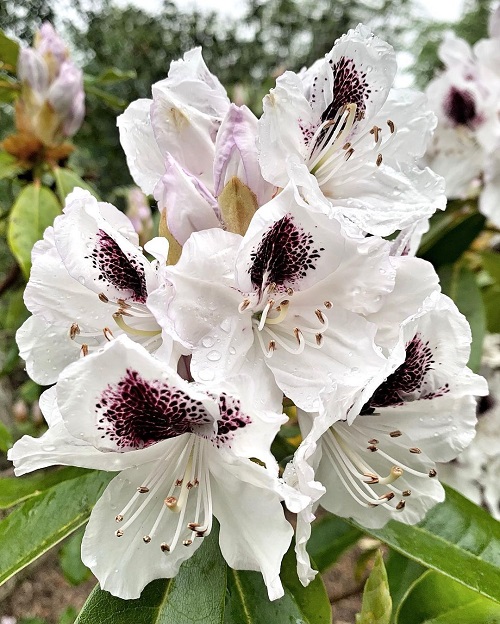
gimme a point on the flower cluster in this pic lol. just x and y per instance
(465, 98)
(271, 279)
(52, 105)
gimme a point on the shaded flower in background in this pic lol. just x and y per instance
(139, 212)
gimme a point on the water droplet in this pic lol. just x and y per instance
(49, 448)
(208, 342)
(214, 356)
(226, 325)
(232, 350)
(81, 279)
(206, 374)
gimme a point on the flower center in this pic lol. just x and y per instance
(185, 489)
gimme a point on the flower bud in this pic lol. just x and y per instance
(139, 213)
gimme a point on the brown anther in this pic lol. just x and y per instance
(297, 333)
(196, 483)
(119, 518)
(372, 478)
(142, 489)
(395, 434)
(320, 316)
(108, 334)
(372, 448)
(171, 502)
(271, 347)
(85, 349)
(193, 525)
(272, 287)
(74, 330)
(119, 533)
(406, 493)
(190, 485)
(387, 496)
(103, 298)
(432, 473)
(373, 441)
(164, 547)
(346, 146)
(178, 482)
(285, 302)
(328, 304)
(391, 125)
(349, 153)
(289, 291)
(415, 450)
(378, 162)
(401, 505)
(199, 534)
(244, 304)
(319, 339)
(122, 303)
(146, 539)
(187, 542)
(375, 131)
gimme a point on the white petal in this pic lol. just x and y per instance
(189, 206)
(144, 158)
(244, 543)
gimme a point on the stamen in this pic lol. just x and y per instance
(328, 304)
(276, 319)
(432, 473)
(320, 316)
(118, 316)
(84, 349)
(103, 298)
(119, 533)
(271, 346)
(406, 492)
(119, 518)
(108, 334)
(378, 162)
(391, 125)
(164, 547)
(415, 450)
(395, 434)
(146, 539)
(375, 131)
(243, 305)
(319, 339)
(264, 314)
(187, 542)
(143, 489)
(74, 331)
(401, 505)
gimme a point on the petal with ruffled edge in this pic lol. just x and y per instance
(489, 200)
(144, 158)
(244, 545)
(189, 205)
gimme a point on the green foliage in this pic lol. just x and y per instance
(74, 570)
(436, 599)
(67, 180)
(9, 166)
(9, 51)
(491, 293)
(330, 537)
(401, 573)
(459, 283)
(5, 440)
(206, 590)
(457, 538)
(377, 603)
(43, 520)
(35, 209)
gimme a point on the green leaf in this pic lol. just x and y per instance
(330, 537)
(459, 283)
(491, 300)
(5, 444)
(435, 599)
(457, 538)
(67, 181)
(401, 573)
(44, 520)
(450, 235)
(491, 262)
(9, 166)
(377, 604)
(34, 210)
(68, 616)
(74, 570)
(111, 75)
(109, 99)
(9, 51)
(17, 312)
(248, 603)
(14, 490)
(196, 594)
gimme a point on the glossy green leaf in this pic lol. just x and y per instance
(377, 604)
(196, 594)
(44, 520)
(451, 236)
(248, 603)
(5, 444)
(17, 312)
(70, 560)
(491, 262)
(457, 538)
(34, 210)
(459, 283)
(14, 490)
(9, 51)
(330, 537)
(67, 181)
(401, 574)
(435, 599)
(491, 301)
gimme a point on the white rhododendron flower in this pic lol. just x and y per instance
(375, 447)
(89, 282)
(359, 139)
(183, 451)
(285, 301)
(465, 98)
